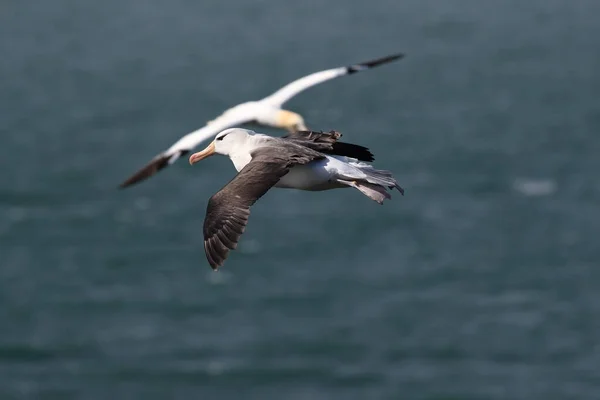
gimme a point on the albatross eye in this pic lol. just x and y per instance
(221, 137)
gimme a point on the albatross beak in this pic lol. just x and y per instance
(201, 155)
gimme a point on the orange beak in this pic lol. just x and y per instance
(201, 155)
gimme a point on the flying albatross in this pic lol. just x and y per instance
(266, 111)
(305, 160)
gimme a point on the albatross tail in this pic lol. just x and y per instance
(373, 183)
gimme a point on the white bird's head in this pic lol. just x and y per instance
(290, 121)
(226, 142)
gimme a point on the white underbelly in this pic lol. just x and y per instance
(315, 176)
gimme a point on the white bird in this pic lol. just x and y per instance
(266, 111)
(305, 160)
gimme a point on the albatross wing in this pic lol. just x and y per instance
(327, 143)
(228, 210)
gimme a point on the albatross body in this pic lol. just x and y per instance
(266, 112)
(304, 160)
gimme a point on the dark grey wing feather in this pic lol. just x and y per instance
(228, 210)
(314, 136)
(327, 143)
(158, 163)
(351, 69)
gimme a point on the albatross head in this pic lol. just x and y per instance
(226, 143)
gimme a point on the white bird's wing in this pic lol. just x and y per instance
(187, 143)
(238, 116)
(278, 98)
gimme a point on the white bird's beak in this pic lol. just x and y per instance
(201, 155)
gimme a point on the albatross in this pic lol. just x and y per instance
(304, 160)
(267, 112)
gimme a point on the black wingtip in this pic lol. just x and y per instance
(374, 63)
(361, 153)
(156, 164)
(148, 170)
(327, 142)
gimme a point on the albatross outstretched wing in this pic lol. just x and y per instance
(228, 210)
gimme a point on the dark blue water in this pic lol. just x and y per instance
(482, 282)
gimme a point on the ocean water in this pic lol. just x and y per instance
(482, 282)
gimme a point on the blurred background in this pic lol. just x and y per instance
(482, 282)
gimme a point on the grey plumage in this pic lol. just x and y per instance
(228, 210)
(373, 191)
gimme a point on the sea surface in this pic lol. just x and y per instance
(482, 282)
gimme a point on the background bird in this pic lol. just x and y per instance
(266, 111)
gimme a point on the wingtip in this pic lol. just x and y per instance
(216, 259)
(151, 168)
(374, 63)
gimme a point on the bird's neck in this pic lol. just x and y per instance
(240, 159)
(240, 155)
